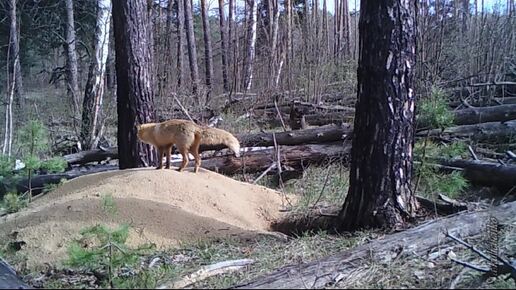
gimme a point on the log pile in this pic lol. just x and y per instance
(293, 150)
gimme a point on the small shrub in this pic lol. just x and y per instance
(54, 165)
(434, 111)
(13, 202)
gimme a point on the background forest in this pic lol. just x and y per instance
(282, 76)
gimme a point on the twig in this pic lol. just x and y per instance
(511, 155)
(273, 165)
(323, 188)
(183, 108)
(473, 248)
(279, 115)
(471, 266)
(472, 152)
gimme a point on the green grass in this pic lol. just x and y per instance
(327, 184)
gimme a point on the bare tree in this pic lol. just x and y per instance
(93, 97)
(71, 61)
(251, 44)
(14, 52)
(180, 42)
(192, 50)
(208, 55)
(135, 101)
(223, 46)
(380, 193)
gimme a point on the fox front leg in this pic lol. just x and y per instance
(160, 158)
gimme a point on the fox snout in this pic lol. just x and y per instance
(237, 154)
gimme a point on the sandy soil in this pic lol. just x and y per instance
(162, 206)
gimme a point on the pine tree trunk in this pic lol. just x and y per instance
(71, 61)
(14, 53)
(251, 45)
(135, 102)
(223, 46)
(192, 50)
(93, 97)
(208, 55)
(288, 3)
(346, 27)
(326, 30)
(180, 42)
(380, 192)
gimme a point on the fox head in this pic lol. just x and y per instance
(143, 131)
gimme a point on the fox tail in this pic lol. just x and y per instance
(214, 136)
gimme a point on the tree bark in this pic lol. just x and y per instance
(71, 61)
(93, 97)
(251, 45)
(180, 42)
(208, 55)
(223, 46)
(135, 101)
(418, 241)
(14, 53)
(192, 50)
(380, 193)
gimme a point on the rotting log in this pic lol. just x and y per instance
(9, 279)
(324, 134)
(485, 114)
(491, 131)
(419, 241)
(485, 173)
(296, 157)
(39, 181)
(96, 155)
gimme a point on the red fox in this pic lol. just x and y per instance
(187, 136)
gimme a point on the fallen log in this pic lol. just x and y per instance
(485, 114)
(96, 155)
(296, 157)
(38, 182)
(484, 173)
(418, 241)
(323, 134)
(491, 131)
(9, 279)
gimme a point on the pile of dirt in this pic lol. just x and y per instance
(163, 207)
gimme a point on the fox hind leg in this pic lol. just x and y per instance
(194, 149)
(184, 153)
(168, 151)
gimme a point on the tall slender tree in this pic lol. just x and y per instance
(93, 97)
(180, 41)
(135, 101)
(71, 61)
(380, 192)
(223, 46)
(14, 51)
(192, 50)
(208, 55)
(251, 44)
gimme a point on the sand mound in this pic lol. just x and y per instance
(162, 207)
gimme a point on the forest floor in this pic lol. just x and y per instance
(194, 220)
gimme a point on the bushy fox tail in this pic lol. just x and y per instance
(214, 136)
